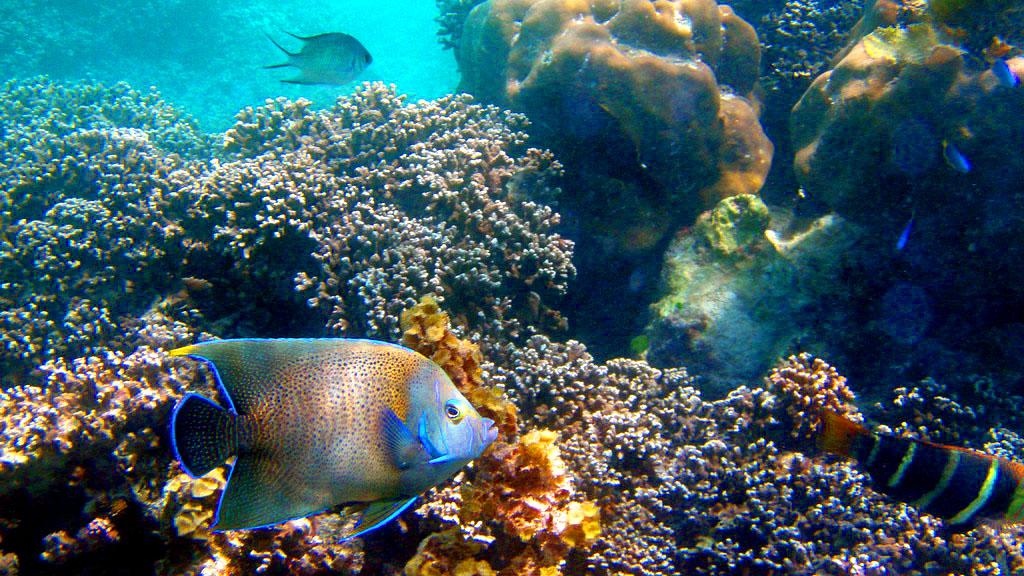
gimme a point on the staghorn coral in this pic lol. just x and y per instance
(810, 386)
(651, 105)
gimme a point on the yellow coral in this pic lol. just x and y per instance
(584, 519)
(427, 330)
(444, 553)
(198, 498)
(911, 44)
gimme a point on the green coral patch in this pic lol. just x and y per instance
(913, 44)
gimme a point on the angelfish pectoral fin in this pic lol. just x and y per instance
(399, 442)
(378, 514)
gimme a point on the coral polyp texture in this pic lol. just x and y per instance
(86, 173)
(811, 387)
(390, 201)
(651, 103)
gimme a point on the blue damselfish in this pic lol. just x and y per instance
(318, 423)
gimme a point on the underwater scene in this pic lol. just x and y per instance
(512, 287)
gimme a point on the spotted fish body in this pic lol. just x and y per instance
(318, 423)
(962, 486)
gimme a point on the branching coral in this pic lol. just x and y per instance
(692, 486)
(433, 197)
(810, 386)
(86, 172)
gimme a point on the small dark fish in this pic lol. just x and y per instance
(316, 423)
(956, 160)
(962, 486)
(901, 243)
(333, 58)
(1001, 70)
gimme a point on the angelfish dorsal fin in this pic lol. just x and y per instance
(247, 369)
(378, 514)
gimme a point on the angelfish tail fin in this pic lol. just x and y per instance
(203, 434)
(838, 433)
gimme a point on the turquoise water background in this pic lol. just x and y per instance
(207, 57)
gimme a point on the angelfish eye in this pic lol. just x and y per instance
(452, 412)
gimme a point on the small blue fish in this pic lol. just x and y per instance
(1001, 70)
(901, 243)
(956, 160)
(318, 423)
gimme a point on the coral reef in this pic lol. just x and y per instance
(99, 221)
(905, 133)
(86, 173)
(799, 40)
(520, 497)
(452, 16)
(437, 197)
(651, 105)
(731, 300)
(698, 487)
(889, 105)
(809, 387)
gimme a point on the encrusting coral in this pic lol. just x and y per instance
(650, 104)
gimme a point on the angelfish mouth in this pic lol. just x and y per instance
(488, 432)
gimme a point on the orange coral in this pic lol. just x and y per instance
(447, 552)
(521, 487)
(810, 386)
(525, 488)
(427, 330)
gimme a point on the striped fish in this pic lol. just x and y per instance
(964, 487)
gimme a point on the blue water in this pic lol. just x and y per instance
(207, 57)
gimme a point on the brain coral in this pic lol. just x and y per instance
(653, 102)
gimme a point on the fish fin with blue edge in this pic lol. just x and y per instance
(202, 434)
(246, 368)
(378, 514)
(433, 451)
(260, 492)
(401, 445)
